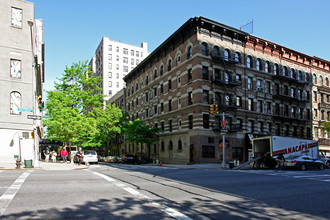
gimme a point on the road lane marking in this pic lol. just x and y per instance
(10, 193)
(170, 211)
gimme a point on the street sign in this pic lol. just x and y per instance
(24, 110)
(34, 117)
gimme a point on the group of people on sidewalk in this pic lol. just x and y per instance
(64, 154)
(53, 155)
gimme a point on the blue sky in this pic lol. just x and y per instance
(74, 28)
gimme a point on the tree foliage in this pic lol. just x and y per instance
(74, 110)
(136, 132)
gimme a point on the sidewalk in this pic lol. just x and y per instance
(43, 166)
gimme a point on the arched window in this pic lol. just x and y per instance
(237, 57)
(267, 69)
(147, 80)
(314, 79)
(327, 81)
(300, 75)
(226, 54)
(162, 146)
(321, 80)
(136, 87)
(227, 77)
(189, 52)
(161, 72)
(155, 74)
(216, 51)
(169, 67)
(179, 145)
(276, 69)
(258, 64)
(285, 71)
(171, 145)
(293, 73)
(249, 62)
(204, 49)
(307, 77)
(15, 103)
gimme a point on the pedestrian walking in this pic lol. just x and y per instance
(46, 153)
(80, 156)
(64, 154)
(53, 156)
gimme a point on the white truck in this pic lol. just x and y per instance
(275, 145)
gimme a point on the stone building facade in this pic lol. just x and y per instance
(262, 87)
(21, 80)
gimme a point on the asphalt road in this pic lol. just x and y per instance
(118, 191)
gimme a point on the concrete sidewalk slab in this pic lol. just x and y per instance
(43, 166)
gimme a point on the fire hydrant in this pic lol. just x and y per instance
(18, 163)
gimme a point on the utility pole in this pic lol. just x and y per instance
(223, 132)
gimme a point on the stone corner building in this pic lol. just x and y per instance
(264, 88)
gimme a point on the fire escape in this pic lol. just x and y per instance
(225, 81)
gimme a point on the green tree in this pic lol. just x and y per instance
(108, 124)
(136, 132)
(69, 107)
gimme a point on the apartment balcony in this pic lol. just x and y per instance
(324, 105)
(228, 106)
(324, 141)
(232, 83)
(290, 80)
(233, 128)
(221, 59)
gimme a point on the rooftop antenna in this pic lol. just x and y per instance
(248, 28)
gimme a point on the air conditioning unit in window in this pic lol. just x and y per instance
(260, 89)
(269, 111)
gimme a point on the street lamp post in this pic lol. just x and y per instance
(19, 160)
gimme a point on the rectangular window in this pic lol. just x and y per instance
(190, 100)
(205, 72)
(189, 75)
(250, 104)
(15, 68)
(238, 101)
(169, 85)
(206, 121)
(250, 126)
(205, 97)
(190, 119)
(208, 151)
(217, 74)
(315, 96)
(170, 125)
(161, 107)
(169, 105)
(260, 106)
(155, 110)
(162, 126)
(269, 107)
(16, 17)
(132, 52)
(249, 83)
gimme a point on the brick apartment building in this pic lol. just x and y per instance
(264, 89)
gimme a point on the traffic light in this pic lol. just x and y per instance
(212, 109)
(216, 109)
(40, 103)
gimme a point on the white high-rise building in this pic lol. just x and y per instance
(113, 61)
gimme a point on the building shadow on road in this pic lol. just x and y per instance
(119, 208)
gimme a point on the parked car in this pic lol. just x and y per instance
(129, 158)
(304, 162)
(88, 155)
